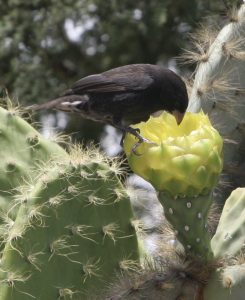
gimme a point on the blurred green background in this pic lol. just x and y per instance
(46, 45)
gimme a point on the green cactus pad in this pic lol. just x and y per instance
(71, 234)
(22, 149)
(230, 235)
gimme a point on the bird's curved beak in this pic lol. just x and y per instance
(178, 116)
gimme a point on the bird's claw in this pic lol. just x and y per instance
(140, 141)
(136, 132)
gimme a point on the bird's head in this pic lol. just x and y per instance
(178, 107)
(174, 93)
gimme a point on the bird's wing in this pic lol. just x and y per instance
(122, 79)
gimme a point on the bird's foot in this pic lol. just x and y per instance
(141, 139)
(136, 145)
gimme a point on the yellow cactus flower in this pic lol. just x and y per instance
(185, 160)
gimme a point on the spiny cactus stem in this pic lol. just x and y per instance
(217, 58)
(188, 217)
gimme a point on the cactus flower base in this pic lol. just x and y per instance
(188, 217)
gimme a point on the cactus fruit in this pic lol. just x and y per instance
(70, 235)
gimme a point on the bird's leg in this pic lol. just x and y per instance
(141, 139)
(135, 132)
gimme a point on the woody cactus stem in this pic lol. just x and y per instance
(219, 89)
(221, 54)
(183, 165)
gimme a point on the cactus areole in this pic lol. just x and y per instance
(184, 160)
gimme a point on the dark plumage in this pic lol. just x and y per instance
(124, 95)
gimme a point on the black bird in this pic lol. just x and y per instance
(124, 95)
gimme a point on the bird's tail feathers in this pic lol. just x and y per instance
(64, 103)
